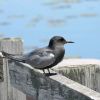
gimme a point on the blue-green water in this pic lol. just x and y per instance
(37, 21)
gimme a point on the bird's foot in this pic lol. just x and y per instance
(50, 74)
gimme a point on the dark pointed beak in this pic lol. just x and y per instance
(70, 42)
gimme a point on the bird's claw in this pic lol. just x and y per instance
(50, 74)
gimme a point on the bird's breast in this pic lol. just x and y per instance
(59, 54)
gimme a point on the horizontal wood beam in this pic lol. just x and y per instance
(34, 83)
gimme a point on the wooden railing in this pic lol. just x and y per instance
(18, 82)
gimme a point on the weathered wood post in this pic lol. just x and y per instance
(1, 70)
(18, 82)
(13, 46)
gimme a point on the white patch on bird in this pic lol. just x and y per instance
(51, 55)
(1, 55)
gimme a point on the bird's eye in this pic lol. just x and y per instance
(61, 39)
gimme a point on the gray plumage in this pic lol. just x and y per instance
(44, 58)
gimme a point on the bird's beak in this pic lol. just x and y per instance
(69, 42)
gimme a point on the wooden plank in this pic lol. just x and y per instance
(1, 70)
(4, 85)
(7, 92)
(83, 72)
(17, 95)
(40, 87)
(36, 86)
(15, 47)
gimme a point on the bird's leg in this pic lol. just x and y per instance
(48, 70)
(43, 71)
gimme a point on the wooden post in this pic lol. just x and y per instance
(13, 46)
(1, 70)
(4, 83)
(23, 83)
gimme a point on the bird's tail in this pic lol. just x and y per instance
(20, 60)
(11, 57)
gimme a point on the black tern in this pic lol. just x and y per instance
(44, 58)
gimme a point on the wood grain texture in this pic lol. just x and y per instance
(87, 74)
(1, 70)
(23, 83)
(34, 84)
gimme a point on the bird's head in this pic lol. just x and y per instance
(58, 41)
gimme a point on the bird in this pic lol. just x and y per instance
(46, 57)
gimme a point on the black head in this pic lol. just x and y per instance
(58, 41)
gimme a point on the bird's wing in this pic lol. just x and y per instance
(41, 58)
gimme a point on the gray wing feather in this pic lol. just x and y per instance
(41, 58)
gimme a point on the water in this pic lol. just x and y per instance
(37, 21)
